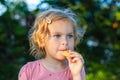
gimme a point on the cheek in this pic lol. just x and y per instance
(54, 42)
(71, 43)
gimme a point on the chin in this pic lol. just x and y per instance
(61, 59)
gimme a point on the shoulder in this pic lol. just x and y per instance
(29, 66)
(32, 63)
(27, 69)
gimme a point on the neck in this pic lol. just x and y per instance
(54, 65)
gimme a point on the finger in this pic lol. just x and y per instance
(76, 55)
(75, 59)
(69, 59)
(82, 60)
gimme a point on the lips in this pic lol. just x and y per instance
(63, 49)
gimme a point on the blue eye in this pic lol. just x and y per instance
(57, 36)
(69, 36)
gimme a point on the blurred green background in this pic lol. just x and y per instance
(100, 46)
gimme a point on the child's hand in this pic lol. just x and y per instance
(76, 63)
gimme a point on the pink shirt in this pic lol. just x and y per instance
(36, 71)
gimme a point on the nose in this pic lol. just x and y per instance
(64, 41)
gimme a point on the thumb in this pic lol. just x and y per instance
(69, 60)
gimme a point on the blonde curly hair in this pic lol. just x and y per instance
(39, 32)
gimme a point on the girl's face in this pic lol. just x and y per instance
(61, 38)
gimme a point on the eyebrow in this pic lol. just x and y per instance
(61, 33)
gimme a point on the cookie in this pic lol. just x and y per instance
(66, 54)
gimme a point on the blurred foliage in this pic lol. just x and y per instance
(100, 46)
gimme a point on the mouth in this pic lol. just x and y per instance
(63, 49)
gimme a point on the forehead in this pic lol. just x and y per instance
(62, 26)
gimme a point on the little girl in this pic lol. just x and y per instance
(54, 32)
